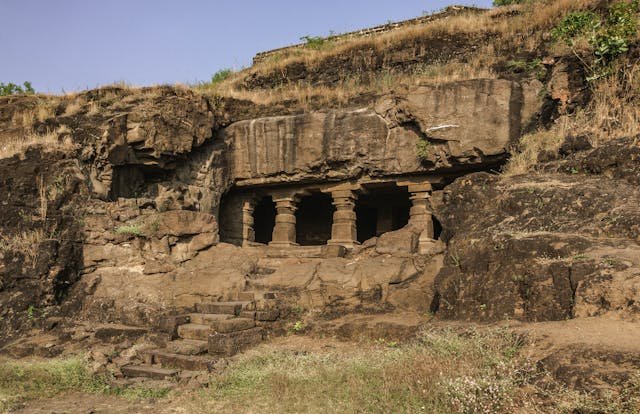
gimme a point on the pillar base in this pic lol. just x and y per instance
(283, 244)
(349, 244)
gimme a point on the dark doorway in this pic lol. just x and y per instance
(264, 220)
(384, 208)
(314, 218)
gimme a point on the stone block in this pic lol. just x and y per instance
(147, 372)
(228, 344)
(400, 242)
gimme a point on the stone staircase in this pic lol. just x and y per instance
(201, 340)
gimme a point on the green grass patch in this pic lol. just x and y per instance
(22, 381)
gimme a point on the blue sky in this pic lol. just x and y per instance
(77, 44)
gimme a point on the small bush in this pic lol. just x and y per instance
(314, 42)
(608, 37)
(575, 24)
(13, 89)
(220, 76)
(499, 3)
(422, 148)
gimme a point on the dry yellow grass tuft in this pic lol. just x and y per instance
(523, 27)
(613, 112)
(15, 145)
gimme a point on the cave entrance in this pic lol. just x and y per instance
(385, 207)
(314, 218)
(264, 219)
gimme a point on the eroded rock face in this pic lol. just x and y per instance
(41, 197)
(539, 247)
(471, 122)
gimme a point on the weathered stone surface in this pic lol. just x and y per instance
(148, 372)
(194, 331)
(187, 347)
(115, 333)
(399, 242)
(123, 292)
(474, 120)
(229, 308)
(187, 362)
(183, 223)
(228, 344)
(539, 247)
(232, 325)
(207, 318)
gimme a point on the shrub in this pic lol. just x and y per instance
(423, 148)
(13, 89)
(609, 37)
(499, 3)
(220, 76)
(575, 24)
(314, 42)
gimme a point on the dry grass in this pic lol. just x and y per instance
(613, 112)
(307, 96)
(525, 29)
(52, 141)
(518, 28)
(445, 372)
(25, 242)
(476, 371)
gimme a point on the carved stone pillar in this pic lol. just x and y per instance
(248, 233)
(343, 230)
(420, 216)
(284, 232)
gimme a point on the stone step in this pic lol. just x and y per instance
(229, 344)
(194, 331)
(253, 295)
(232, 325)
(223, 325)
(148, 372)
(171, 360)
(187, 347)
(231, 308)
(246, 296)
(207, 318)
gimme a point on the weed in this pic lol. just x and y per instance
(131, 229)
(523, 66)
(423, 148)
(31, 311)
(298, 327)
